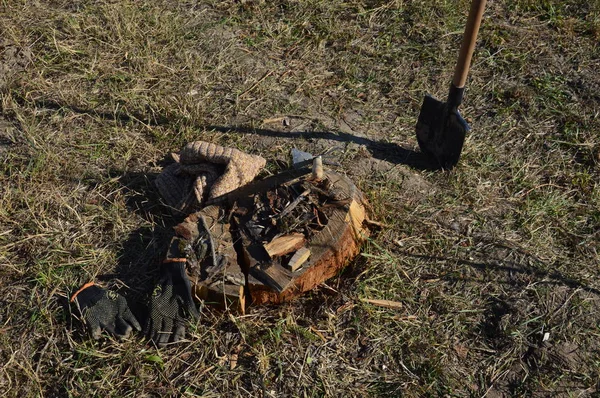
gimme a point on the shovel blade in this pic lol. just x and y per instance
(441, 132)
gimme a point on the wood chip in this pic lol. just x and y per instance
(233, 360)
(383, 303)
(298, 259)
(285, 244)
(283, 120)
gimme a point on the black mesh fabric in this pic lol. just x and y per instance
(171, 305)
(103, 309)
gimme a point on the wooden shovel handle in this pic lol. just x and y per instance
(468, 43)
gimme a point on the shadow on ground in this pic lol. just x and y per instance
(512, 268)
(141, 252)
(380, 150)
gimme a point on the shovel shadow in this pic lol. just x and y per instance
(380, 150)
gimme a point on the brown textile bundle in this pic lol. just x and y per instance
(205, 171)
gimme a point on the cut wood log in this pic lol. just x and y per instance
(298, 259)
(269, 277)
(285, 244)
(242, 300)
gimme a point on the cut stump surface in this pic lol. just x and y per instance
(263, 272)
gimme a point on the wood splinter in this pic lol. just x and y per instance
(383, 303)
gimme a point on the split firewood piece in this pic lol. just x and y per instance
(274, 276)
(230, 296)
(298, 259)
(240, 167)
(285, 244)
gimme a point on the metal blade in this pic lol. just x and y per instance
(441, 132)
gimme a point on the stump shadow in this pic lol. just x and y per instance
(140, 254)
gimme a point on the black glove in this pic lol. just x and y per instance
(102, 309)
(171, 304)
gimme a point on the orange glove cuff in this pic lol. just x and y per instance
(81, 289)
(174, 260)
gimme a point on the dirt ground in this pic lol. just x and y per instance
(495, 262)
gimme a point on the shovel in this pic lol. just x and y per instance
(440, 129)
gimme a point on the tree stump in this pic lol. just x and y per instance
(238, 269)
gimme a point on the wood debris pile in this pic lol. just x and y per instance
(283, 219)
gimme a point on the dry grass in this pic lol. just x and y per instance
(486, 259)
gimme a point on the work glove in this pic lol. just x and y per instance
(171, 304)
(102, 309)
